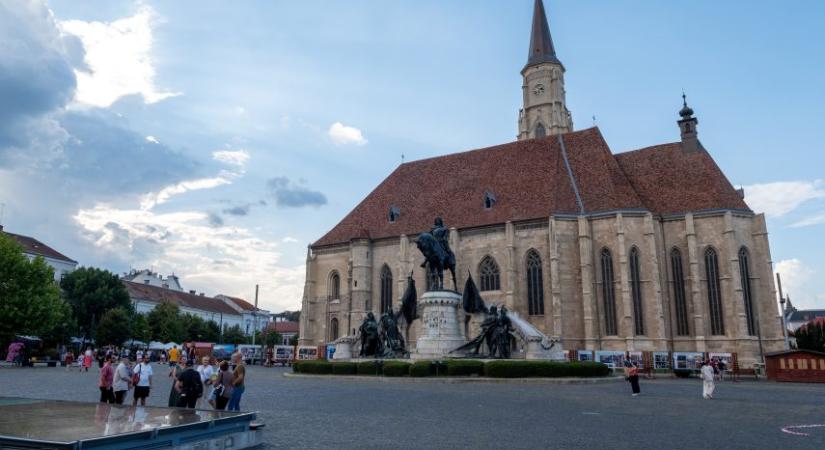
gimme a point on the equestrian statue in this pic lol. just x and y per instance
(435, 246)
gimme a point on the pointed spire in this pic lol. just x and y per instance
(541, 44)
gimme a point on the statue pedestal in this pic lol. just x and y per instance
(536, 349)
(343, 348)
(439, 331)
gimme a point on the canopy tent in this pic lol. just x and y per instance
(155, 345)
(169, 345)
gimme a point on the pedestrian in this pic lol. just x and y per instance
(223, 386)
(722, 368)
(707, 380)
(107, 395)
(142, 379)
(175, 369)
(174, 355)
(122, 380)
(238, 379)
(206, 371)
(190, 352)
(69, 359)
(632, 375)
(190, 386)
(87, 359)
(101, 358)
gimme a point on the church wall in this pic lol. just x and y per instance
(569, 280)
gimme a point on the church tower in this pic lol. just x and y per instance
(545, 110)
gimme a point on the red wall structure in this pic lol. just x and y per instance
(801, 366)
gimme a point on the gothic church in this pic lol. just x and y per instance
(648, 250)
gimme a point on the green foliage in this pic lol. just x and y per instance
(544, 369)
(31, 303)
(114, 328)
(165, 323)
(290, 316)
(464, 367)
(294, 340)
(234, 334)
(212, 331)
(811, 336)
(344, 368)
(422, 369)
(91, 292)
(270, 338)
(194, 327)
(315, 367)
(140, 328)
(369, 368)
(396, 368)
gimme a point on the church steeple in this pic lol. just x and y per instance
(545, 110)
(541, 43)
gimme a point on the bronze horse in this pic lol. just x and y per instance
(436, 259)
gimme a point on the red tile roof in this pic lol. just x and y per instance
(670, 180)
(243, 304)
(283, 327)
(159, 295)
(530, 180)
(33, 246)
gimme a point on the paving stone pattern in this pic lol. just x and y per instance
(335, 413)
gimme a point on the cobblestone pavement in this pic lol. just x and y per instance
(330, 413)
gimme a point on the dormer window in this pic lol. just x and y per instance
(394, 213)
(540, 131)
(489, 200)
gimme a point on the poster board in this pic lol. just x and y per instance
(613, 359)
(687, 360)
(637, 357)
(306, 352)
(584, 355)
(661, 360)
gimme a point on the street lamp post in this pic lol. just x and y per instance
(782, 311)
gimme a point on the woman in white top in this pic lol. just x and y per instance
(207, 373)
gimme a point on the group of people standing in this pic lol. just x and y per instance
(220, 386)
(709, 372)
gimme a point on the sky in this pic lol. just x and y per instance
(217, 140)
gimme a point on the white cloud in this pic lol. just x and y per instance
(343, 135)
(780, 198)
(818, 219)
(152, 139)
(800, 282)
(224, 260)
(289, 240)
(156, 198)
(118, 59)
(235, 158)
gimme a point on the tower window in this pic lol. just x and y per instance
(717, 321)
(535, 284)
(747, 294)
(608, 294)
(395, 212)
(489, 200)
(679, 292)
(540, 132)
(636, 292)
(386, 289)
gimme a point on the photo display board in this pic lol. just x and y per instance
(661, 360)
(687, 360)
(614, 360)
(585, 355)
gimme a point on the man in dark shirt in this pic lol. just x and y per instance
(189, 385)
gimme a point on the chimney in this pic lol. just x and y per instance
(192, 291)
(202, 294)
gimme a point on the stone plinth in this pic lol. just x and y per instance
(439, 331)
(537, 349)
(343, 348)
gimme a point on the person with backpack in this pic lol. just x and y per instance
(190, 386)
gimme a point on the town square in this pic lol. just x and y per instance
(382, 225)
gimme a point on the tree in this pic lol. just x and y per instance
(140, 328)
(811, 336)
(213, 331)
(234, 334)
(194, 327)
(165, 323)
(115, 328)
(30, 302)
(270, 338)
(289, 316)
(91, 292)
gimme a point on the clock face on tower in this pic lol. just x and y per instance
(538, 89)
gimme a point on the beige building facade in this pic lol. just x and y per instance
(650, 250)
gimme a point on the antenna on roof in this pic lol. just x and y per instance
(594, 120)
(402, 158)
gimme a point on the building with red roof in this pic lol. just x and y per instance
(33, 248)
(648, 250)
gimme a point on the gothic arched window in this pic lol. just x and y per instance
(386, 289)
(334, 286)
(636, 292)
(679, 293)
(488, 274)
(535, 284)
(717, 321)
(747, 294)
(608, 293)
(333, 329)
(540, 132)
